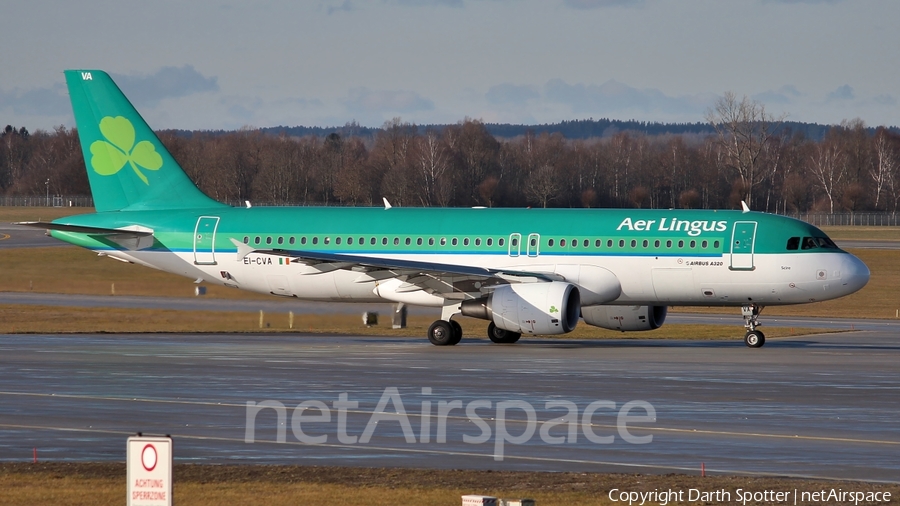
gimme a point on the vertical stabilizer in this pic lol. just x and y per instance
(128, 167)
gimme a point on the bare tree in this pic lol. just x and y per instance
(743, 129)
(432, 162)
(827, 165)
(542, 185)
(887, 160)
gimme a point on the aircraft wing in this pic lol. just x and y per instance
(132, 237)
(432, 276)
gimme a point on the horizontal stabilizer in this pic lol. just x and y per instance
(132, 237)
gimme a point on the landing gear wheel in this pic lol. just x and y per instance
(755, 339)
(501, 336)
(457, 332)
(440, 333)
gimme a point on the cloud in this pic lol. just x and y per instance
(599, 4)
(802, 1)
(400, 101)
(507, 93)
(787, 94)
(167, 82)
(345, 6)
(52, 101)
(885, 100)
(615, 97)
(349, 6)
(844, 92)
(448, 3)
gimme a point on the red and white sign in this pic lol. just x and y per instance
(149, 471)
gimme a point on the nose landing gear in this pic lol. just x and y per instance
(753, 338)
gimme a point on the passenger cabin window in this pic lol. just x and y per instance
(292, 240)
(793, 243)
(550, 243)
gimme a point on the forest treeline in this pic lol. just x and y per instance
(745, 155)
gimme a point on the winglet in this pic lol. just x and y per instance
(387, 205)
(242, 249)
(744, 207)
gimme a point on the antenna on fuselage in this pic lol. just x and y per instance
(744, 207)
(387, 205)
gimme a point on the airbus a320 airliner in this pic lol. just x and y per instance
(527, 271)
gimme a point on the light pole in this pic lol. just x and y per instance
(47, 184)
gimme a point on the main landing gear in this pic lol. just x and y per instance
(753, 338)
(449, 333)
(445, 333)
(501, 336)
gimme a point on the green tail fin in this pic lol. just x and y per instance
(128, 167)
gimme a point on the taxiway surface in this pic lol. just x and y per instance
(823, 405)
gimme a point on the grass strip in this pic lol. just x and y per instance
(202, 485)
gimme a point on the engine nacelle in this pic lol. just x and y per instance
(625, 318)
(529, 308)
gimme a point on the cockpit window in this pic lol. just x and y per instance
(793, 243)
(814, 242)
(825, 242)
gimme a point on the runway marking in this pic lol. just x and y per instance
(4, 236)
(673, 430)
(446, 453)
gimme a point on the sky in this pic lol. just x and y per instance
(228, 64)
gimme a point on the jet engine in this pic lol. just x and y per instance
(625, 318)
(529, 308)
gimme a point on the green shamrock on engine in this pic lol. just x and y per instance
(109, 157)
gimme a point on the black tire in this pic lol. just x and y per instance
(457, 332)
(754, 339)
(501, 336)
(440, 333)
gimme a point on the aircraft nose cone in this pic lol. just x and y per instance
(855, 274)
